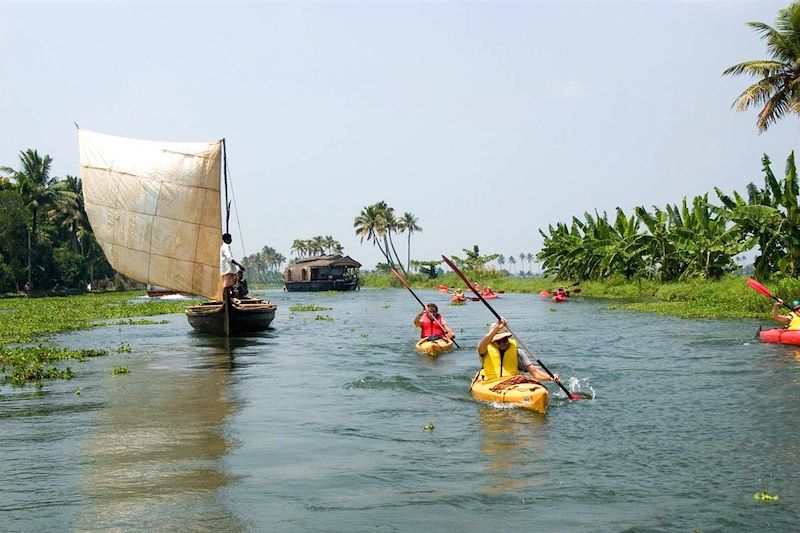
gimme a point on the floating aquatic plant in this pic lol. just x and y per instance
(124, 348)
(429, 427)
(765, 496)
(120, 370)
(325, 318)
(305, 308)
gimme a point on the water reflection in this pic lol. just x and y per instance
(153, 459)
(510, 437)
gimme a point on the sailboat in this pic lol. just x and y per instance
(155, 209)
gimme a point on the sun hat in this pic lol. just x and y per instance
(502, 334)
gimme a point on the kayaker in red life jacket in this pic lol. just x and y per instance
(432, 324)
(792, 319)
(500, 357)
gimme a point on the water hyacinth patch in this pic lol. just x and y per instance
(32, 364)
(305, 308)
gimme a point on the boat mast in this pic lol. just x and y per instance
(225, 175)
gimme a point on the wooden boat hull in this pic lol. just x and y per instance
(434, 348)
(531, 395)
(229, 317)
(322, 285)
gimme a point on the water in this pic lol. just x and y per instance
(317, 425)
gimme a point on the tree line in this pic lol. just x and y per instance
(45, 238)
(697, 238)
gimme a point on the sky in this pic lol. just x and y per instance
(486, 120)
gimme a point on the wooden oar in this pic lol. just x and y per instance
(570, 395)
(425, 307)
(765, 291)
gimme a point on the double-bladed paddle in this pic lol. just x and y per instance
(765, 291)
(425, 307)
(570, 395)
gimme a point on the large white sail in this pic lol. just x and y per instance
(154, 208)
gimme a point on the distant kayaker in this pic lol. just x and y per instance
(792, 319)
(432, 324)
(228, 267)
(500, 356)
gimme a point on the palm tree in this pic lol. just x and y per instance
(513, 263)
(375, 223)
(501, 260)
(778, 85)
(369, 225)
(410, 224)
(38, 190)
(522, 262)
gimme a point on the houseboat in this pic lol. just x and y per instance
(322, 273)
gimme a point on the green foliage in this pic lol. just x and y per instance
(30, 319)
(32, 364)
(124, 348)
(120, 370)
(776, 77)
(428, 268)
(695, 239)
(304, 308)
(324, 318)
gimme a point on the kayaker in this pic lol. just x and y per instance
(432, 324)
(500, 356)
(792, 319)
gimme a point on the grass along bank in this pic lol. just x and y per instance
(33, 320)
(729, 297)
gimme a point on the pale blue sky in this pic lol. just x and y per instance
(487, 120)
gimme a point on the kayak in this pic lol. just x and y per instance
(544, 294)
(488, 295)
(434, 348)
(780, 336)
(558, 298)
(458, 298)
(518, 390)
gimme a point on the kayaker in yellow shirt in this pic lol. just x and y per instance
(792, 319)
(500, 357)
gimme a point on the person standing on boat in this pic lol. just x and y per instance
(228, 267)
(792, 319)
(500, 356)
(432, 324)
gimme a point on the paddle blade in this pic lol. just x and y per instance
(575, 291)
(759, 287)
(580, 396)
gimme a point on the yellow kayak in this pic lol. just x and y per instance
(434, 348)
(518, 390)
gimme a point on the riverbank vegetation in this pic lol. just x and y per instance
(726, 297)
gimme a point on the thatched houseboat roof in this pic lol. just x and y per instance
(325, 261)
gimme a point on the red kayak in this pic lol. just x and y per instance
(458, 298)
(544, 294)
(558, 298)
(780, 336)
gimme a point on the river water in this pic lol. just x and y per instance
(318, 425)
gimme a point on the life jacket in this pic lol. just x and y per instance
(430, 327)
(794, 323)
(497, 365)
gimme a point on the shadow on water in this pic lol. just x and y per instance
(153, 458)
